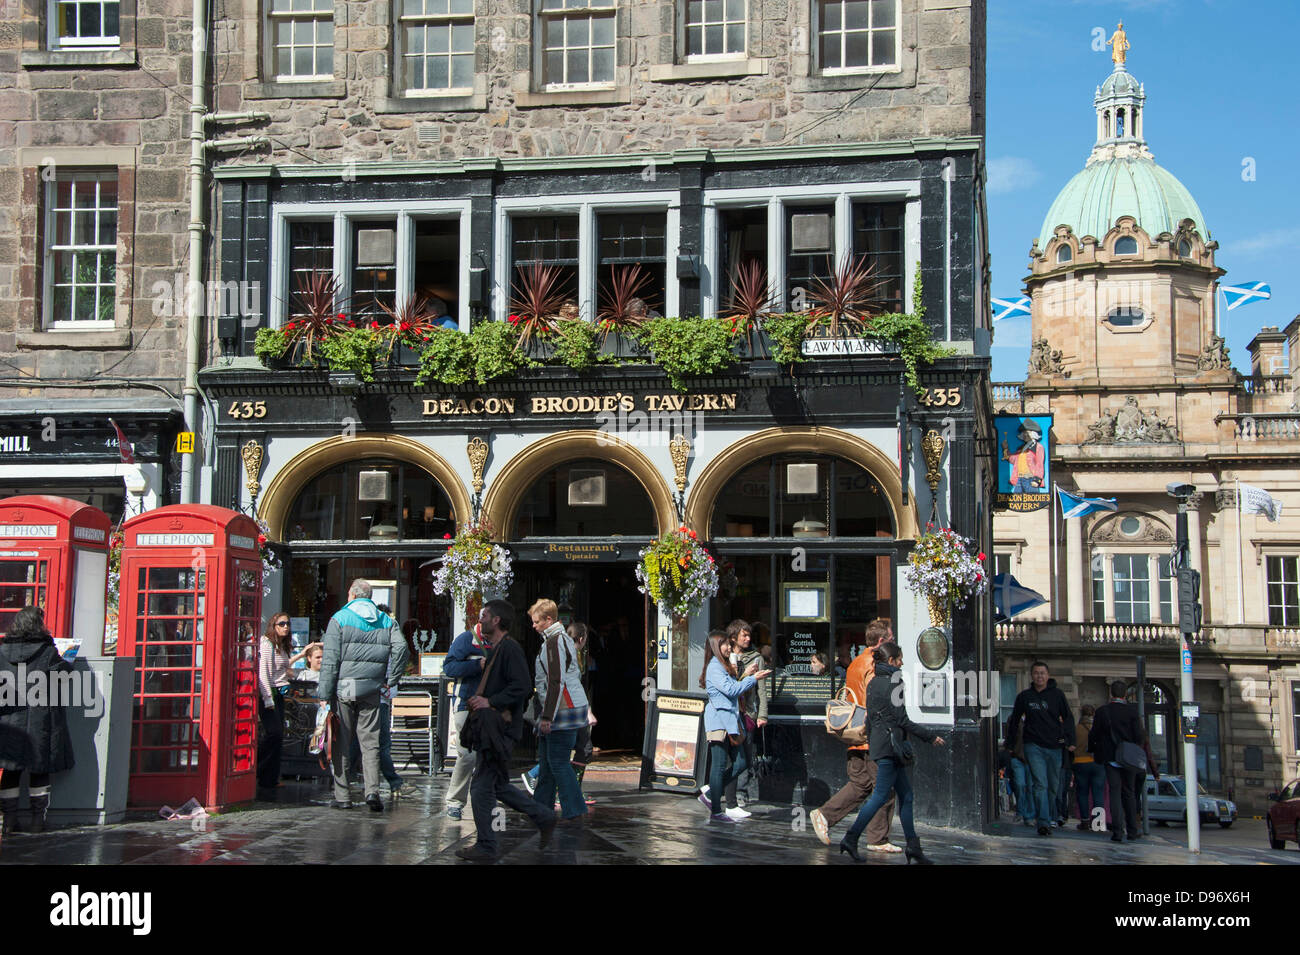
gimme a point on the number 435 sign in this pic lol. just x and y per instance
(941, 397)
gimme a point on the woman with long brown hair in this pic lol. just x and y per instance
(273, 665)
(722, 719)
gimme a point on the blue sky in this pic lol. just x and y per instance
(1220, 91)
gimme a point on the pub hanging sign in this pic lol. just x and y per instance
(1024, 461)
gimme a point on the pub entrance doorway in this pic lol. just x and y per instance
(604, 596)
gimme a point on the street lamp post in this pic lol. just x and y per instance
(1189, 621)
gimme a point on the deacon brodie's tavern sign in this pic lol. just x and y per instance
(580, 404)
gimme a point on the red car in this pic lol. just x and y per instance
(1283, 817)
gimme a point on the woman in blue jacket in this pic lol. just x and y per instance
(722, 719)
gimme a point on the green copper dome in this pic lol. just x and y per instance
(1109, 188)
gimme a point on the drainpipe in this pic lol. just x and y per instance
(194, 329)
(949, 166)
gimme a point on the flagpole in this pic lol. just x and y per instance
(1241, 588)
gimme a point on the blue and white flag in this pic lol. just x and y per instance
(1245, 293)
(1010, 308)
(1073, 505)
(1256, 500)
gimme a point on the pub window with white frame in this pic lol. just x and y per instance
(84, 25)
(301, 39)
(1132, 587)
(715, 29)
(81, 249)
(577, 47)
(380, 255)
(1283, 590)
(437, 46)
(857, 35)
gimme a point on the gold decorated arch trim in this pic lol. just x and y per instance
(511, 483)
(289, 482)
(707, 487)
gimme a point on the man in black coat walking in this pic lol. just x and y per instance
(494, 726)
(1117, 722)
(1049, 733)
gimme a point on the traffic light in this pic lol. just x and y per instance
(1189, 604)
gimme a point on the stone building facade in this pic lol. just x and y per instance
(685, 138)
(94, 210)
(1142, 393)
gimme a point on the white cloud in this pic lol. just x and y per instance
(1010, 174)
(1269, 241)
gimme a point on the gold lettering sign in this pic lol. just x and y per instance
(617, 403)
(677, 704)
(583, 551)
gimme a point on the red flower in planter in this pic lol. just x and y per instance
(446, 537)
(981, 556)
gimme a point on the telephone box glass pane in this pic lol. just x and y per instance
(22, 584)
(169, 662)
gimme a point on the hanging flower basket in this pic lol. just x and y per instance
(946, 570)
(677, 573)
(474, 568)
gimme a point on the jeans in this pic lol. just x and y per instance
(386, 744)
(720, 773)
(491, 783)
(1089, 779)
(1020, 788)
(862, 770)
(556, 773)
(268, 751)
(1123, 783)
(1045, 768)
(891, 777)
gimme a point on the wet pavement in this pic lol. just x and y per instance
(624, 827)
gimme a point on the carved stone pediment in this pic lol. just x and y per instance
(1130, 425)
(1150, 530)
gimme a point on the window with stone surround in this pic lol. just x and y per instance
(80, 262)
(715, 29)
(857, 35)
(84, 25)
(301, 35)
(1132, 588)
(1283, 590)
(577, 43)
(436, 46)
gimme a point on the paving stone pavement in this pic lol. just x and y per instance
(625, 827)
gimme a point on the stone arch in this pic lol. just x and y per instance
(289, 481)
(508, 486)
(1152, 529)
(706, 487)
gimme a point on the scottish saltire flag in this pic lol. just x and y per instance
(1245, 293)
(1255, 500)
(1010, 308)
(1073, 505)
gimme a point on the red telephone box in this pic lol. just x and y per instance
(54, 555)
(191, 614)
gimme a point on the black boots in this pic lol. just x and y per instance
(39, 805)
(9, 808)
(851, 848)
(914, 852)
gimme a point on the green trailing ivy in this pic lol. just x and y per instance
(354, 350)
(270, 344)
(575, 343)
(496, 351)
(786, 333)
(912, 335)
(447, 358)
(688, 347)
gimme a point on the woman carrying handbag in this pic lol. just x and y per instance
(890, 747)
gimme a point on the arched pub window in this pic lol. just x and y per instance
(375, 518)
(806, 548)
(588, 497)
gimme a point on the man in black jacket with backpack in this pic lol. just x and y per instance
(1049, 732)
(1115, 723)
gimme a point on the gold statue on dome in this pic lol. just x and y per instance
(1119, 44)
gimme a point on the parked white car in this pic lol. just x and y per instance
(1167, 802)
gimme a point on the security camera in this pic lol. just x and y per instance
(1180, 491)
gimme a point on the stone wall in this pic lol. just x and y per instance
(658, 103)
(126, 109)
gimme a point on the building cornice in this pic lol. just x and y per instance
(682, 157)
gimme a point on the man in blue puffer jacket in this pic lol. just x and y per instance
(464, 662)
(364, 652)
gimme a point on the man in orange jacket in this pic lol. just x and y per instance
(861, 767)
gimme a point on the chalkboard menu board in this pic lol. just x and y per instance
(674, 757)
